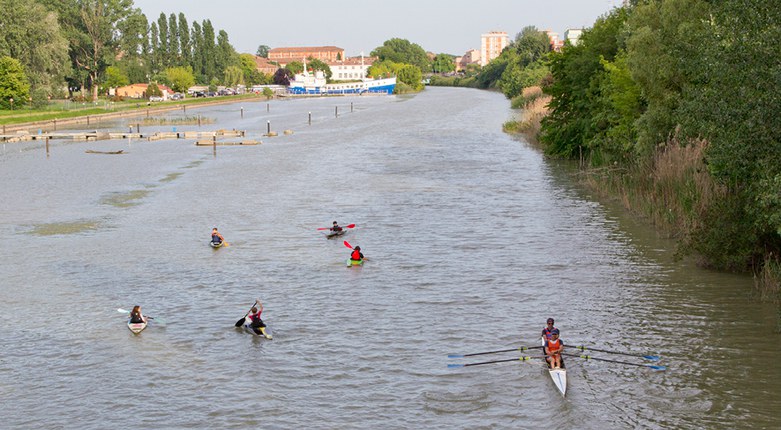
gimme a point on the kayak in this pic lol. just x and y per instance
(351, 263)
(559, 376)
(136, 328)
(333, 234)
(215, 245)
(262, 331)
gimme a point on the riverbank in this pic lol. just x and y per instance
(674, 193)
(15, 124)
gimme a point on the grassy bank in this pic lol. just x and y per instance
(673, 191)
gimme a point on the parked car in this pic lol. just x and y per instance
(199, 94)
(177, 96)
(156, 99)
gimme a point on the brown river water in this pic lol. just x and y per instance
(474, 239)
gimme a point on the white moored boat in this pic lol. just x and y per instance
(315, 84)
(559, 376)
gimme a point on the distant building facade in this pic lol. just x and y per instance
(263, 65)
(572, 35)
(471, 56)
(555, 43)
(491, 45)
(138, 91)
(284, 56)
(353, 68)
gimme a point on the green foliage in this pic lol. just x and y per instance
(233, 76)
(262, 51)
(13, 83)
(443, 63)
(153, 90)
(411, 76)
(213, 84)
(403, 51)
(180, 78)
(31, 34)
(115, 77)
(282, 77)
(295, 67)
(268, 93)
(250, 70)
(315, 64)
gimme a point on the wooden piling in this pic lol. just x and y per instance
(310, 118)
(336, 111)
(47, 146)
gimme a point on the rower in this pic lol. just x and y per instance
(336, 227)
(546, 332)
(217, 237)
(356, 255)
(553, 348)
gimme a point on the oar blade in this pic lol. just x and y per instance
(656, 367)
(454, 365)
(455, 356)
(124, 311)
(347, 244)
(652, 357)
(240, 322)
(350, 226)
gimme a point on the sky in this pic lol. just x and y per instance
(442, 26)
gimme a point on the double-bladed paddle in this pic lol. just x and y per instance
(647, 357)
(588, 357)
(240, 322)
(522, 348)
(125, 311)
(328, 228)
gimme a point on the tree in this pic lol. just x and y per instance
(250, 70)
(13, 83)
(233, 76)
(31, 34)
(268, 93)
(153, 90)
(282, 77)
(115, 77)
(92, 28)
(411, 76)
(165, 41)
(184, 40)
(180, 78)
(316, 64)
(295, 67)
(173, 41)
(263, 51)
(403, 51)
(443, 63)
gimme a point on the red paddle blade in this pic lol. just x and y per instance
(324, 228)
(349, 226)
(347, 244)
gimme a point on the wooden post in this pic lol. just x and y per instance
(184, 108)
(87, 119)
(310, 118)
(55, 124)
(214, 145)
(138, 127)
(47, 146)
(268, 127)
(336, 111)
(242, 113)
(147, 113)
(351, 106)
(268, 108)
(199, 120)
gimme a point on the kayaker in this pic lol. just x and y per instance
(336, 227)
(553, 348)
(254, 317)
(356, 255)
(135, 315)
(216, 236)
(546, 332)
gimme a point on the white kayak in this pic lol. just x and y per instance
(559, 376)
(136, 328)
(262, 331)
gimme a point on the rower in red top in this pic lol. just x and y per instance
(553, 348)
(256, 323)
(356, 255)
(546, 332)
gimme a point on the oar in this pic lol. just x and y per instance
(125, 311)
(452, 365)
(522, 348)
(647, 357)
(240, 322)
(588, 357)
(328, 228)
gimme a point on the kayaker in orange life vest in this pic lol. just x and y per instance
(356, 255)
(547, 330)
(553, 348)
(217, 237)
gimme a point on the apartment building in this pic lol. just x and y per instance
(491, 45)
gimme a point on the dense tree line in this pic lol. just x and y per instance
(665, 76)
(95, 44)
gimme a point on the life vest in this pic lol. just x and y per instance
(553, 346)
(216, 238)
(546, 332)
(356, 256)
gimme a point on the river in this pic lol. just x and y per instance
(474, 239)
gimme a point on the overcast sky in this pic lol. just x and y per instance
(442, 26)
